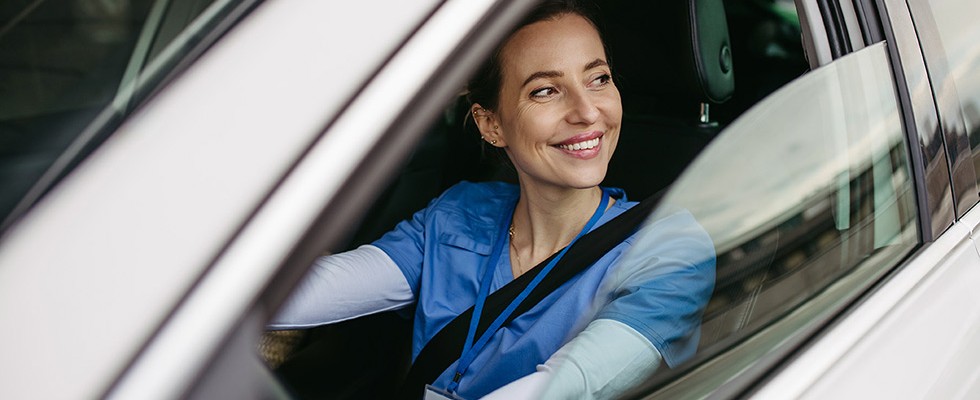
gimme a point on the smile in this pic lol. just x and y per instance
(588, 144)
(584, 146)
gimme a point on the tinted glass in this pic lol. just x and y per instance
(807, 197)
(61, 65)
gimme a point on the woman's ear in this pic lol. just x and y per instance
(486, 123)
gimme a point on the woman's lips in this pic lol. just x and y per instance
(583, 146)
(581, 138)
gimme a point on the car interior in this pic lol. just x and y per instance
(678, 94)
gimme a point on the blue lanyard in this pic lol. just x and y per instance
(471, 349)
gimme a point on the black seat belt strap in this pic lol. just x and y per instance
(445, 347)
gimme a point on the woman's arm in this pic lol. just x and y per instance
(650, 313)
(345, 286)
(603, 361)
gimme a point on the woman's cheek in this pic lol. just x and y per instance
(524, 121)
(612, 100)
(527, 110)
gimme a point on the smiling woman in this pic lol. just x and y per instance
(546, 98)
(557, 118)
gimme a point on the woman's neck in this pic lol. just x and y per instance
(546, 220)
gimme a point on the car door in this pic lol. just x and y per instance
(839, 206)
(189, 226)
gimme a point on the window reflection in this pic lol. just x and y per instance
(809, 186)
(61, 65)
(958, 32)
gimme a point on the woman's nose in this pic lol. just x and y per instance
(582, 108)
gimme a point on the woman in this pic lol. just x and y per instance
(547, 99)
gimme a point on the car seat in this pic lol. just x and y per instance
(672, 62)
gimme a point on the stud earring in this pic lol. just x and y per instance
(493, 142)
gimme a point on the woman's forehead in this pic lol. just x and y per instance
(568, 42)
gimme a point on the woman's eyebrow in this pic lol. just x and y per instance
(542, 74)
(557, 74)
(595, 63)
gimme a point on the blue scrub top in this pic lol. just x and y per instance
(443, 249)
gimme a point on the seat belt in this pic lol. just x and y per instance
(445, 347)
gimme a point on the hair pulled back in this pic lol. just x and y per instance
(484, 87)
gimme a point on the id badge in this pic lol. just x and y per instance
(434, 393)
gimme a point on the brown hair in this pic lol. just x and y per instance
(484, 87)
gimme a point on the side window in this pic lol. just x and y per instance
(958, 33)
(808, 198)
(61, 65)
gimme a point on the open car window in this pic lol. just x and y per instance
(661, 135)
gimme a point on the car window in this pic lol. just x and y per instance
(808, 198)
(69, 71)
(957, 74)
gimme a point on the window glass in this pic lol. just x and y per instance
(960, 37)
(61, 65)
(807, 198)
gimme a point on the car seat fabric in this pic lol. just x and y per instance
(677, 50)
(668, 58)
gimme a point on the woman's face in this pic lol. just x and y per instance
(559, 112)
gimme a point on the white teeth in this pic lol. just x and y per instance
(588, 144)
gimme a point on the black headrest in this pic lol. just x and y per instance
(675, 50)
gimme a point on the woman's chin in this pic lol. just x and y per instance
(586, 181)
(570, 177)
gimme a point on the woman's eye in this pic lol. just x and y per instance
(602, 79)
(544, 92)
